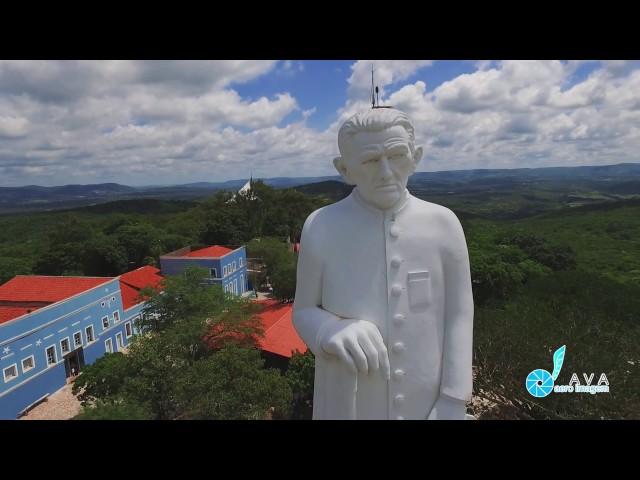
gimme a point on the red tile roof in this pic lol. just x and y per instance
(39, 291)
(130, 296)
(142, 277)
(34, 288)
(215, 251)
(9, 313)
(132, 282)
(280, 336)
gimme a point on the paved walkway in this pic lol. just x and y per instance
(61, 405)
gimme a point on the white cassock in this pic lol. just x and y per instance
(407, 271)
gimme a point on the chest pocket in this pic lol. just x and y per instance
(419, 290)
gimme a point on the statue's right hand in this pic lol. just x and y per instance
(359, 344)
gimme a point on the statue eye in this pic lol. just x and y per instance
(398, 154)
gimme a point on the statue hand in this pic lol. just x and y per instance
(359, 344)
(447, 408)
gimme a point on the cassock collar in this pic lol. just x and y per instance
(388, 212)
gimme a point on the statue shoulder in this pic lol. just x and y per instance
(438, 213)
(323, 218)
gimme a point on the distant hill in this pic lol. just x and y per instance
(34, 197)
(143, 206)
(332, 189)
(612, 180)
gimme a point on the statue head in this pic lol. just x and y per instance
(378, 154)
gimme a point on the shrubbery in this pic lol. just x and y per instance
(195, 359)
(596, 318)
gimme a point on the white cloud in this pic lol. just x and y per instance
(173, 122)
(100, 120)
(386, 72)
(516, 114)
(13, 127)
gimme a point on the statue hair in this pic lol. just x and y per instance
(375, 120)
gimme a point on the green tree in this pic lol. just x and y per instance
(103, 257)
(103, 379)
(61, 259)
(10, 267)
(300, 375)
(115, 410)
(199, 315)
(284, 278)
(139, 241)
(233, 384)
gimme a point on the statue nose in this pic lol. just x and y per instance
(385, 168)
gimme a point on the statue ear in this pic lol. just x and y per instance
(338, 162)
(417, 156)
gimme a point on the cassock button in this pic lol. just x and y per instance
(398, 400)
(395, 262)
(398, 374)
(396, 290)
(394, 231)
(398, 319)
(398, 347)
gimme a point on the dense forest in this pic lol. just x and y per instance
(112, 238)
(544, 275)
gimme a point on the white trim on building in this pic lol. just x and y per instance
(75, 342)
(13, 366)
(62, 350)
(33, 363)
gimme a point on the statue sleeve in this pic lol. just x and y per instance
(457, 376)
(309, 319)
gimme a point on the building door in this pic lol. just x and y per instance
(235, 286)
(73, 361)
(241, 284)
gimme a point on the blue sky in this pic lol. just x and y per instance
(162, 122)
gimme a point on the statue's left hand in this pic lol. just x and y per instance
(447, 408)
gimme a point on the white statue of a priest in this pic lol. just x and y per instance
(383, 294)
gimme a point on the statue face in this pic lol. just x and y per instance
(380, 164)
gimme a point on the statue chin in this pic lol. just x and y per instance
(383, 199)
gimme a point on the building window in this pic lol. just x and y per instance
(119, 341)
(108, 345)
(89, 333)
(28, 363)
(241, 283)
(224, 271)
(213, 273)
(102, 304)
(105, 323)
(234, 266)
(10, 372)
(113, 299)
(64, 346)
(77, 339)
(127, 329)
(116, 317)
(51, 355)
(240, 262)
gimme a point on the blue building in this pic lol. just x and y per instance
(50, 327)
(225, 266)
